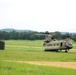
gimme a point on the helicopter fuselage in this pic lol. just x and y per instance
(57, 45)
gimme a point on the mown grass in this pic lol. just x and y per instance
(26, 50)
(33, 50)
(37, 56)
(14, 68)
(24, 42)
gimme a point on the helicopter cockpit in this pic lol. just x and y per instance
(68, 45)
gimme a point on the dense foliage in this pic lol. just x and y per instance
(32, 35)
(20, 35)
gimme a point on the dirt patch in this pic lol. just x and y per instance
(45, 63)
(58, 64)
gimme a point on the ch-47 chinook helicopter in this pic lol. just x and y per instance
(50, 44)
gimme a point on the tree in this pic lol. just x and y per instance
(57, 35)
(73, 37)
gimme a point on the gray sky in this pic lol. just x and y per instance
(38, 15)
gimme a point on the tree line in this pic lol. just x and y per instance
(33, 35)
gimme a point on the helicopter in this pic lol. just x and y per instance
(51, 44)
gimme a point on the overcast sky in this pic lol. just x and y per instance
(38, 15)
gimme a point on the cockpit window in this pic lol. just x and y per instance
(54, 44)
(68, 43)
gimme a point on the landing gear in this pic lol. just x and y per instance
(57, 50)
(66, 51)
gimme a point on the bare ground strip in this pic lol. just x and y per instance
(71, 65)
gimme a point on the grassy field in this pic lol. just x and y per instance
(25, 50)
(7, 68)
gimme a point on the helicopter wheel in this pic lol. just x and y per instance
(57, 51)
(45, 50)
(66, 51)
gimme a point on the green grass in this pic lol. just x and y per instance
(7, 68)
(26, 50)
(33, 50)
(37, 56)
(24, 42)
